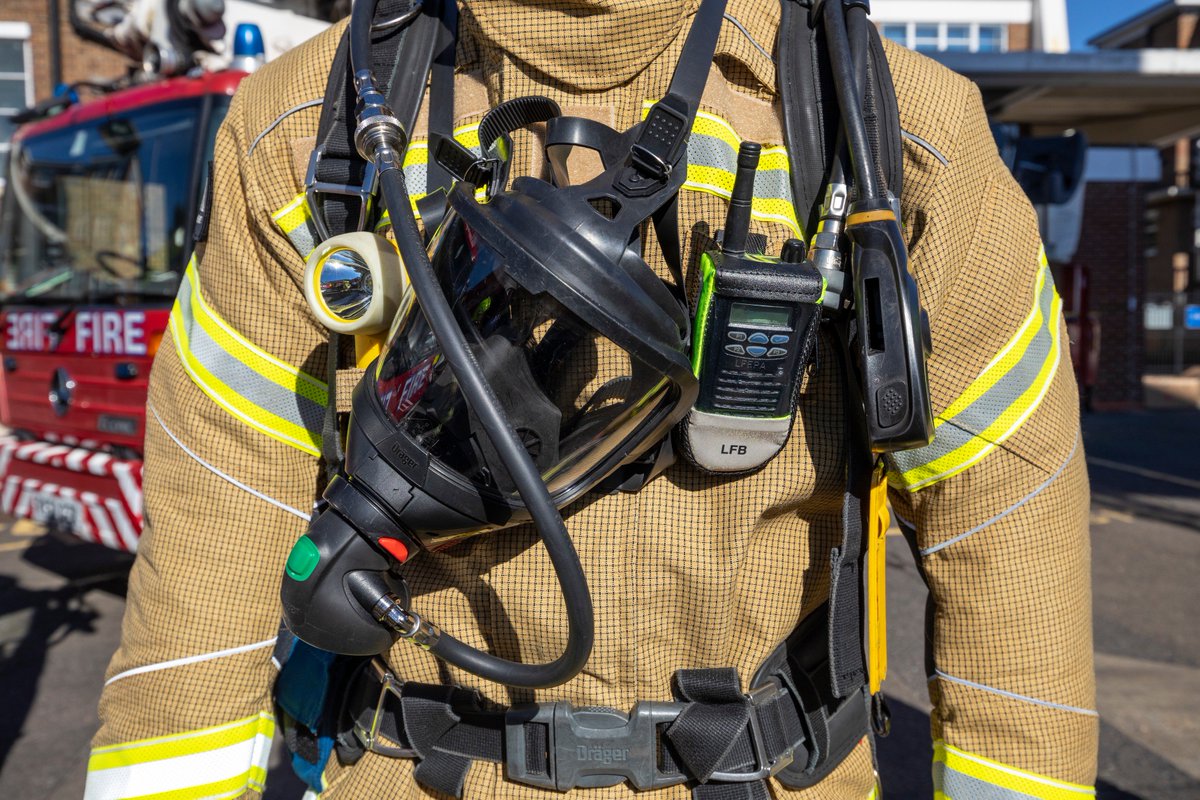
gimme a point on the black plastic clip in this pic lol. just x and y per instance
(662, 139)
(587, 748)
(461, 162)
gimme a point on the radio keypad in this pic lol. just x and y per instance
(756, 342)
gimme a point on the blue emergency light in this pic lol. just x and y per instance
(249, 52)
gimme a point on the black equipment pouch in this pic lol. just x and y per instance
(832, 725)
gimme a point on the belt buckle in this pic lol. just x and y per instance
(369, 738)
(313, 187)
(766, 767)
(590, 748)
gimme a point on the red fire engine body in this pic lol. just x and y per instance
(79, 332)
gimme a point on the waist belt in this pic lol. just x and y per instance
(726, 741)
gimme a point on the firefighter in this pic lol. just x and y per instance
(693, 572)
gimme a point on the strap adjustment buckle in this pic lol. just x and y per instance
(369, 737)
(767, 767)
(314, 187)
(588, 748)
(662, 139)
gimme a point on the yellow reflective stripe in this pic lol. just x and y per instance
(267, 394)
(295, 220)
(293, 215)
(712, 164)
(959, 775)
(221, 761)
(991, 409)
(1007, 358)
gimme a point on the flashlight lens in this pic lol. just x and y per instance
(345, 284)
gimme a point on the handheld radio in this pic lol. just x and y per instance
(753, 337)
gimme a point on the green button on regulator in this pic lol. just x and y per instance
(303, 559)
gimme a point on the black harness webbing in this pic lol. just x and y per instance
(847, 669)
(714, 736)
(336, 163)
(340, 182)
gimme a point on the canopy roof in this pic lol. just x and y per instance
(1116, 97)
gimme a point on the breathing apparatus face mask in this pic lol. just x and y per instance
(588, 367)
(535, 354)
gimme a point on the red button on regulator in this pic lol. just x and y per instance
(396, 547)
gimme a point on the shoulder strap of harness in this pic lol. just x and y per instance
(810, 110)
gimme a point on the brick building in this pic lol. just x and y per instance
(1171, 251)
(1130, 233)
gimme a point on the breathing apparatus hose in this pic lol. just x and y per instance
(484, 403)
(847, 85)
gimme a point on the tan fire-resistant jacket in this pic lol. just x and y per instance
(694, 571)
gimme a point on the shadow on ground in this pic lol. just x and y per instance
(35, 620)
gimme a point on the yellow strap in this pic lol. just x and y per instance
(366, 349)
(880, 520)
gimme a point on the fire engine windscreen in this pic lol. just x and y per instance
(102, 208)
(574, 396)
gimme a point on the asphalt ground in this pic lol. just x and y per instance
(61, 602)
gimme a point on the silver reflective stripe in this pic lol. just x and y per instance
(254, 386)
(242, 379)
(960, 775)
(953, 785)
(996, 403)
(714, 153)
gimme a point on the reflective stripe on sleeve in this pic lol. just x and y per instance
(272, 397)
(222, 761)
(997, 402)
(712, 164)
(959, 775)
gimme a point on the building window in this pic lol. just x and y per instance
(958, 39)
(948, 37)
(16, 78)
(991, 39)
(926, 38)
(897, 33)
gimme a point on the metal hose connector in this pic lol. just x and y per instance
(379, 137)
(408, 624)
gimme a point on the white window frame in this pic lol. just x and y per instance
(910, 33)
(19, 31)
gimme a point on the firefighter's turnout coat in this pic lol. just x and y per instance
(693, 571)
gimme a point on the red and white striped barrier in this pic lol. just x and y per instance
(96, 496)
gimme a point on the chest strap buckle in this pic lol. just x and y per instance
(559, 747)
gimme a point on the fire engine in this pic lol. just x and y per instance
(95, 233)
